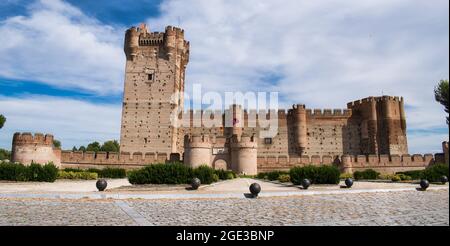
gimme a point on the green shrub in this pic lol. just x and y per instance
(73, 170)
(77, 175)
(317, 175)
(416, 174)
(162, 174)
(113, 173)
(385, 176)
(435, 172)
(366, 174)
(396, 178)
(215, 177)
(205, 174)
(261, 176)
(13, 172)
(346, 176)
(274, 175)
(404, 177)
(224, 174)
(284, 178)
(33, 172)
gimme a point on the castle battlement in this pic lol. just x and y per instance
(30, 139)
(374, 99)
(329, 112)
(112, 158)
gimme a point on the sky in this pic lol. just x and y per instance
(62, 62)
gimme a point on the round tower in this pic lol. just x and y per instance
(244, 152)
(27, 149)
(170, 41)
(197, 151)
(131, 45)
(299, 114)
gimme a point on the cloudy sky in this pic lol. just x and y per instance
(62, 62)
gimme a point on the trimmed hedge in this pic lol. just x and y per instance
(366, 174)
(173, 173)
(317, 175)
(225, 174)
(435, 172)
(416, 174)
(272, 176)
(205, 174)
(284, 178)
(33, 172)
(77, 175)
(432, 173)
(113, 173)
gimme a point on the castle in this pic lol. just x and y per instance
(369, 133)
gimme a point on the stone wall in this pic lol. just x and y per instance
(79, 159)
(349, 163)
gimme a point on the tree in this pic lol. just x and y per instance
(2, 121)
(95, 146)
(110, 146)
(82, 148)
(56, 143)
(5, 154)
(74, 148)
(441, 94)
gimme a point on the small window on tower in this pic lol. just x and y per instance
(267, 140)
(150, 77)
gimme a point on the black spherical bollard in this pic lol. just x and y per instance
(306, 183)
(195, 183)
(255, 189)
(349, 182)
(444, 179)
(424, 184)
(101, 184)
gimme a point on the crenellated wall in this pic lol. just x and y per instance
(387, 164)
(79, 159)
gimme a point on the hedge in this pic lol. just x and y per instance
(317, 175)
(434, 173)
(225, 174)
(172, 173)
(274, 175)
(416, 174)
(366, 174)
(113, 173)
(77, 175)
(33, 172)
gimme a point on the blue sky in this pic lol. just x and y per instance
(62, 64)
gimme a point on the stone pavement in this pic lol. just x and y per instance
(397, 206)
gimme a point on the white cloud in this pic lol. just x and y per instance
(327, 53)
(73, 122)
(57, 44)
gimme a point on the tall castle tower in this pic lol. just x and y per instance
(154, 86)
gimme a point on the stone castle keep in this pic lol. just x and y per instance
(369, 133)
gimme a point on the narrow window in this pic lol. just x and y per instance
(150, 77)
(267, 140)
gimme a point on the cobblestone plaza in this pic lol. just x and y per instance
(404, 208)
